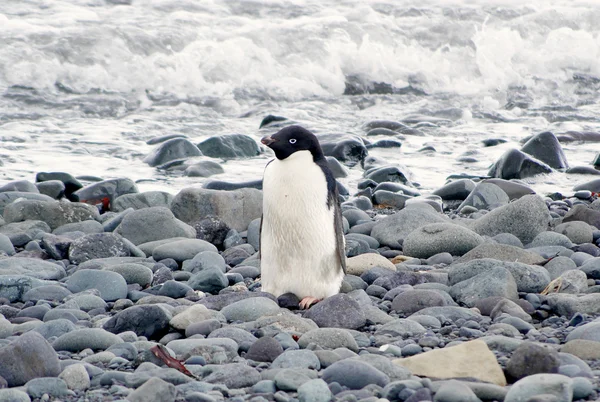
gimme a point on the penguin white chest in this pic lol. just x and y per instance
(298, 242)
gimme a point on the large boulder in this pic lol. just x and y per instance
(230, 146)
(54, 213)
(154, 223)
(236, 208)
(546, 148)
(524, 218)
(515, 164)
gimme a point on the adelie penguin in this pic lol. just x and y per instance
(302, 247)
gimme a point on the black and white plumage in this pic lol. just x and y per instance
(301, 238)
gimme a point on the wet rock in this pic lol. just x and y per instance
(175, 148)
(514, 164)
(485, 196)
(71, 184)
(343, 148)
(456, 190)
(230, 146)
(546, 148)
(236, 208)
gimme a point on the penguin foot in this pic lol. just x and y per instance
(307, 302)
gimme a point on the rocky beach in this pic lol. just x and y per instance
(481, 290)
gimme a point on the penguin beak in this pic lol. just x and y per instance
(268, 140)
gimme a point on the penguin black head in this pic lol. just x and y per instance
(292, 139)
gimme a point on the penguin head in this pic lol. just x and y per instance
(292, 139)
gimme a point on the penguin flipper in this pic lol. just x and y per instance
(340, 244)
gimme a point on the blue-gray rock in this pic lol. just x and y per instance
(435, 238)
(55, 328)
(336, 167)
(92, 338)
(174, 289)
(203, 169)
(154, 390)
(559, 265)
(456, 190)
(591, 268)
(485, 196)
(265, 349)
(175, 148)
(401, 328)
(388, 173)
(557, 385)
(8, 197)
(236, 208)
(154, 223)
(242, 337)
(314, 391)
(329, 338)
(97, 245)
(354, 374)
(13, 395)
(87, 302)
(6, 246)
(28, 356)
(52, 188)
(496, 281)
(230, 146)
(546, 148)
(46, 292)
(142, 200)
(32, 267)
(297, 359)
(234, 375)
(19, 185)
(151, 321)
(111, 285)
(343, 147)
(589, 331)
(412, 301)
(514, 164)
(524, 218)
(530, 358)
(578, 232)
(250, 309)
(133, 273)
(54, 213)
(54, 387)
(529, 278)
(455, 391)
(209, 281)
(338, 311)
(182, 250)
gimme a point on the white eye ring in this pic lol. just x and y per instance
(292, 140)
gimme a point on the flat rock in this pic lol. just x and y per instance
(146, 199)
(435, 238)
(111, 285)
(80, 339)
(470, 359)
(502, 252)
(250, 309)
(236, 208)
(529, 278)
(27, 357)
(451, 313)
(329, 338)
(361, 263)
(154, 223)
(182, 250)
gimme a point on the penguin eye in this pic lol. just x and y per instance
(292, 140)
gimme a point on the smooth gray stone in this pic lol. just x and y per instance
(55, 387)
(250, 309)
(54, 213)
(354, 374)
(111, 285)
(154, 223)
(175, 148)
(142, 200)
(80, 339)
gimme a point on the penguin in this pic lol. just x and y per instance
(302, 246)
